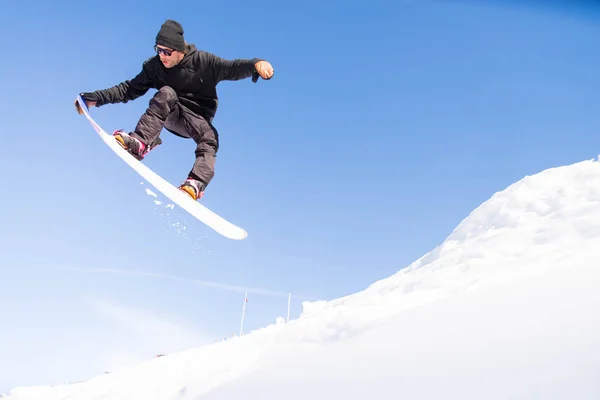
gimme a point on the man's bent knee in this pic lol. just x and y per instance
(165, 94)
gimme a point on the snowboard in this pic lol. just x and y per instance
(194, 208)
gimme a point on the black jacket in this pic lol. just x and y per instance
(194, 80)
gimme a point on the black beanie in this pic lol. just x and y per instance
(171, 35)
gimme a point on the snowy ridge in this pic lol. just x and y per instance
(545, 225)
(540, 215)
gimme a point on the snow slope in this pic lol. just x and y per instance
(507, 307)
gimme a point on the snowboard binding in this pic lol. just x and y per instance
(134, 146)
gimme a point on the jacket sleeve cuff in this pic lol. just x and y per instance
(254, 61)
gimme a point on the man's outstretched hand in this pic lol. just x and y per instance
(264, 69)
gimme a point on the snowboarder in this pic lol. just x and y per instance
(185, 102)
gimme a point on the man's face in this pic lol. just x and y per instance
(169, 57)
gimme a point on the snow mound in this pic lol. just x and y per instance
(534, 239)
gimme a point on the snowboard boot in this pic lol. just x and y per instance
(193, 188)
(134, 146)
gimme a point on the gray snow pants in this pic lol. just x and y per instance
(165, 111)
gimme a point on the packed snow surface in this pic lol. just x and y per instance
(507, 307)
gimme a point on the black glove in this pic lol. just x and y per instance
(88, 98)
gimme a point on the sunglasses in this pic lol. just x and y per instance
(164, 51)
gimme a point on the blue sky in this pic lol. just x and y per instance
(384, 126)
